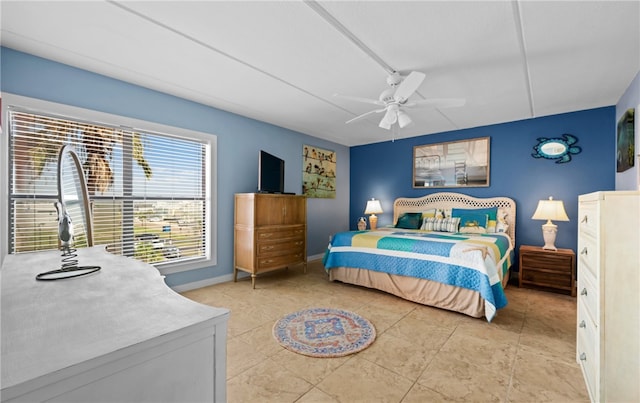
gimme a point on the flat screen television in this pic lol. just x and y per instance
(270, 173)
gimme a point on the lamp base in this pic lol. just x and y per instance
(549, 231)
(373, 221)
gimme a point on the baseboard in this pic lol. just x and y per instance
(315, 257)
(224, 278)
(207, 282)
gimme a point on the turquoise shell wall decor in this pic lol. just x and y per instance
(559, 149)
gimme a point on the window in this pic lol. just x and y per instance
(150, 186)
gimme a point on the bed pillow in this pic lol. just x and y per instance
(409, 221)
(474, 223)
(429, 213)
(492, 212)
(502, 227)
(441, 224)
(500, 224)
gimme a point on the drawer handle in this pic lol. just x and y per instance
(584, 220)
(583, 292)
(583, 357)
(584, 251)
(582, 324)
(267, 247)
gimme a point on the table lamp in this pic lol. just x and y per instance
(550, 210)
(373, 208)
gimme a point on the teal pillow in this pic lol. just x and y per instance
(492, 212)
(409, 221)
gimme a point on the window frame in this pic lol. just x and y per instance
(88, 115)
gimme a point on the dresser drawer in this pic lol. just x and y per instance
(588, 295)
(281, 247)
(588, 217)
(270, 262)
(589, 255)
(560, 264)
(587, 331)
(547, 278)
(280, 233)
(587, 358)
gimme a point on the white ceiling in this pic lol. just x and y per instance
(282, 61)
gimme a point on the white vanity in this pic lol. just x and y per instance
(117, 335)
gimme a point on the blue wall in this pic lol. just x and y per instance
(385, 170)
(239, 141)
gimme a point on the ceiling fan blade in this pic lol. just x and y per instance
(408, 86)
(364, 115)
(360, 99)
(437, 102)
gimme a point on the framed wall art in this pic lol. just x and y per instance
(625, 144)
(318, 172)
(463, 163)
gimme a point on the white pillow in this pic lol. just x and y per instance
(441, 224)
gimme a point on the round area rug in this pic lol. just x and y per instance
(324, 332)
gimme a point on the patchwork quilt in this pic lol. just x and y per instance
(474, 261)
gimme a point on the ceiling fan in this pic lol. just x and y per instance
(395, 99)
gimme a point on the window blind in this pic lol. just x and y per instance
(148, 190)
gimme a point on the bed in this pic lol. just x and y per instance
(463, 271)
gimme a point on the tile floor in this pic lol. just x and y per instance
(421, 354)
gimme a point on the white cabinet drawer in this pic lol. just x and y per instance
(587, 348)
(586, 357)
(588, 217)
(588, 295)
(587, 332)
(588, 255)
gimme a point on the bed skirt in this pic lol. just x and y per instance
(418, 290)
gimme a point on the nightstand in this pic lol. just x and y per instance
(547, 270)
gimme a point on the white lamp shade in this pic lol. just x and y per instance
(550, 210)
(403, 119)
(373, 207)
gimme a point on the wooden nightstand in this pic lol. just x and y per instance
(547, 270)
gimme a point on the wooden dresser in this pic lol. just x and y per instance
(270, 233)
(116, 335)
(608, 324)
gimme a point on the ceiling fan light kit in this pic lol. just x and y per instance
(403, 119)
(396, 98)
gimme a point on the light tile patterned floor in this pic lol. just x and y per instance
(421, 354)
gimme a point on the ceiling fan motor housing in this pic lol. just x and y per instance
(394, 79)
(387, 95)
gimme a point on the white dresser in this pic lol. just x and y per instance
(117, 335)
(608, 325)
